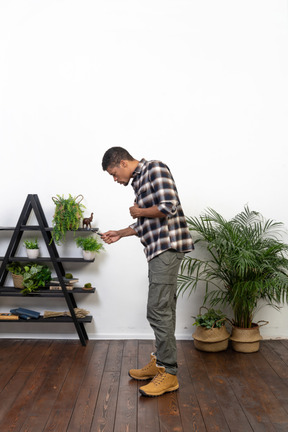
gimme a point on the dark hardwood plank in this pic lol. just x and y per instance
(16, 415)
(126, 412)
(114, 356)
(104, 417)
(105, 410)
(83, 412)
(169, 414)
(62, 410)
(240, 377)
(276, 384)
(41, 409)
(215, 365)
(211, 410)
(270, 404)
(191, 416)
(11, 360)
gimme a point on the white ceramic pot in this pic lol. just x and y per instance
(32, 253)
(88, 255)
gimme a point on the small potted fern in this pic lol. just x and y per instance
(32, 248)
(90, 246)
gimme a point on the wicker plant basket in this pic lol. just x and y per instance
(247, 340)
(211, 340)
(18, 281)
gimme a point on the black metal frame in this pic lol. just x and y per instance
(32, 203)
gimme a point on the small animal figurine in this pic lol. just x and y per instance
(87, 222)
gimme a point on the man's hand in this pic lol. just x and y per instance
(135, 211)
(110, 237)
(149, 212)
(113, 236)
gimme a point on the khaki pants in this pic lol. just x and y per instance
(161, 307)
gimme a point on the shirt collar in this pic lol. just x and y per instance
(139, 167)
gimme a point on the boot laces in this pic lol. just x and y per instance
(148, 366)
(159, 378)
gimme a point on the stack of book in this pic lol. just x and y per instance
(25, 313)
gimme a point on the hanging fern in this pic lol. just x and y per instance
(67, 216)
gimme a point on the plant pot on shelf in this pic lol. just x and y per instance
(32, 253)
(211, 340)
(246, 340)
(89, 255)
(90, 246)
(17, 281)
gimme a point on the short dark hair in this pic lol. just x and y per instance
(113, 157)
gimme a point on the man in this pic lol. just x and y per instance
(161, 226)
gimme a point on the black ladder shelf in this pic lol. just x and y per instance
(32, 203)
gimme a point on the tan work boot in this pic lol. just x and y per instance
(147, 372)
(162, 383)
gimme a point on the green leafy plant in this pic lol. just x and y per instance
(67, 216)
(34, 275)
(16, 268)
(210, 319)
(89, 244)
(31, 244)
(246, 262)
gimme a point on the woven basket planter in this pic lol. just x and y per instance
(246, 340)
(211, 340)
(18, 281)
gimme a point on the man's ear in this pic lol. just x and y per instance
(123, 163)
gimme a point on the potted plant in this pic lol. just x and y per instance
(67, 216)
(33, 276)
(90, 246)
(17, 271)
(211, 334)
(32, 248)
(246, 262)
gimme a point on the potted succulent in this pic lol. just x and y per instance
(68, 214)
(245, 266)
(32, 248)
(211, 334)
(33, 276)
(90, 246)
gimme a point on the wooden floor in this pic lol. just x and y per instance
(61, 386)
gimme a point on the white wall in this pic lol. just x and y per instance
(201, 85)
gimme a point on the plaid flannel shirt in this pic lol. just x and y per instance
(153, 184)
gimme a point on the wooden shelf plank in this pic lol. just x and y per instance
(37, 228)
(7, 291)
(48, 259)
(60, 319)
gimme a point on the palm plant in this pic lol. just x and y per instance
(246, 261)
